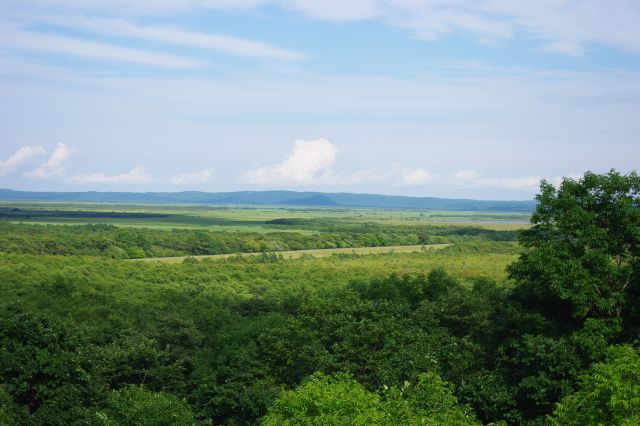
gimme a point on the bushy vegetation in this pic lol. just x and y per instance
(130, 243)
(436, 338)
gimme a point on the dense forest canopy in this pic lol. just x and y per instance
(436, 338)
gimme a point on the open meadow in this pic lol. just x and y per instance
(242, 218)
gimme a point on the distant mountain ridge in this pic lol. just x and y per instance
(293, 198)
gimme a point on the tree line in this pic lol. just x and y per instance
(130, 243)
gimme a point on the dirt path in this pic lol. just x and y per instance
(293, 254)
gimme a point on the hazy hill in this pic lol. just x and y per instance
(275, 197)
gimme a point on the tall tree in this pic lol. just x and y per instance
(583, 248)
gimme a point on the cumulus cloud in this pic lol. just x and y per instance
(54, 166)
(136, 175)
(20, 157)
(203, 176)
(416, 177)
(311, 164)
(304, 165)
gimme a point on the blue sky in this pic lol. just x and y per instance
(457, 98)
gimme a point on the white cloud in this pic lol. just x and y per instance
(520, 183)
(611, 22)
(557, 180)
(177, 36)
(551, 22)
(303, 166)
(148, 7)
(565, 27)
(471, 178)
(93, 50)
(337, 10)
(54, 166)
(466, 175)
(366, 176)
(432, 20)
(416, 177)
(311, 164)
(565, 47)
(21, 156)
(203, 176)
(136, 175)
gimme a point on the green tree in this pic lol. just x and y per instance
(10, 413)
(340, 400)
(429, 401)
(577, 287)
(45, 369)
(134, 405)
(326, 400)
(608, 395)
(583, 248)
(135, 359)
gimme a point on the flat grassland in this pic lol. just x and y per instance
(176, 233)
(244, 218)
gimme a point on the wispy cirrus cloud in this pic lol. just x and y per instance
(336, 10)
(51, 43)
(562, 26)
(176, 36)
(146, 7)
(570, 48)
(20, 157)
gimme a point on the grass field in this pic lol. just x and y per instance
(253, 219)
